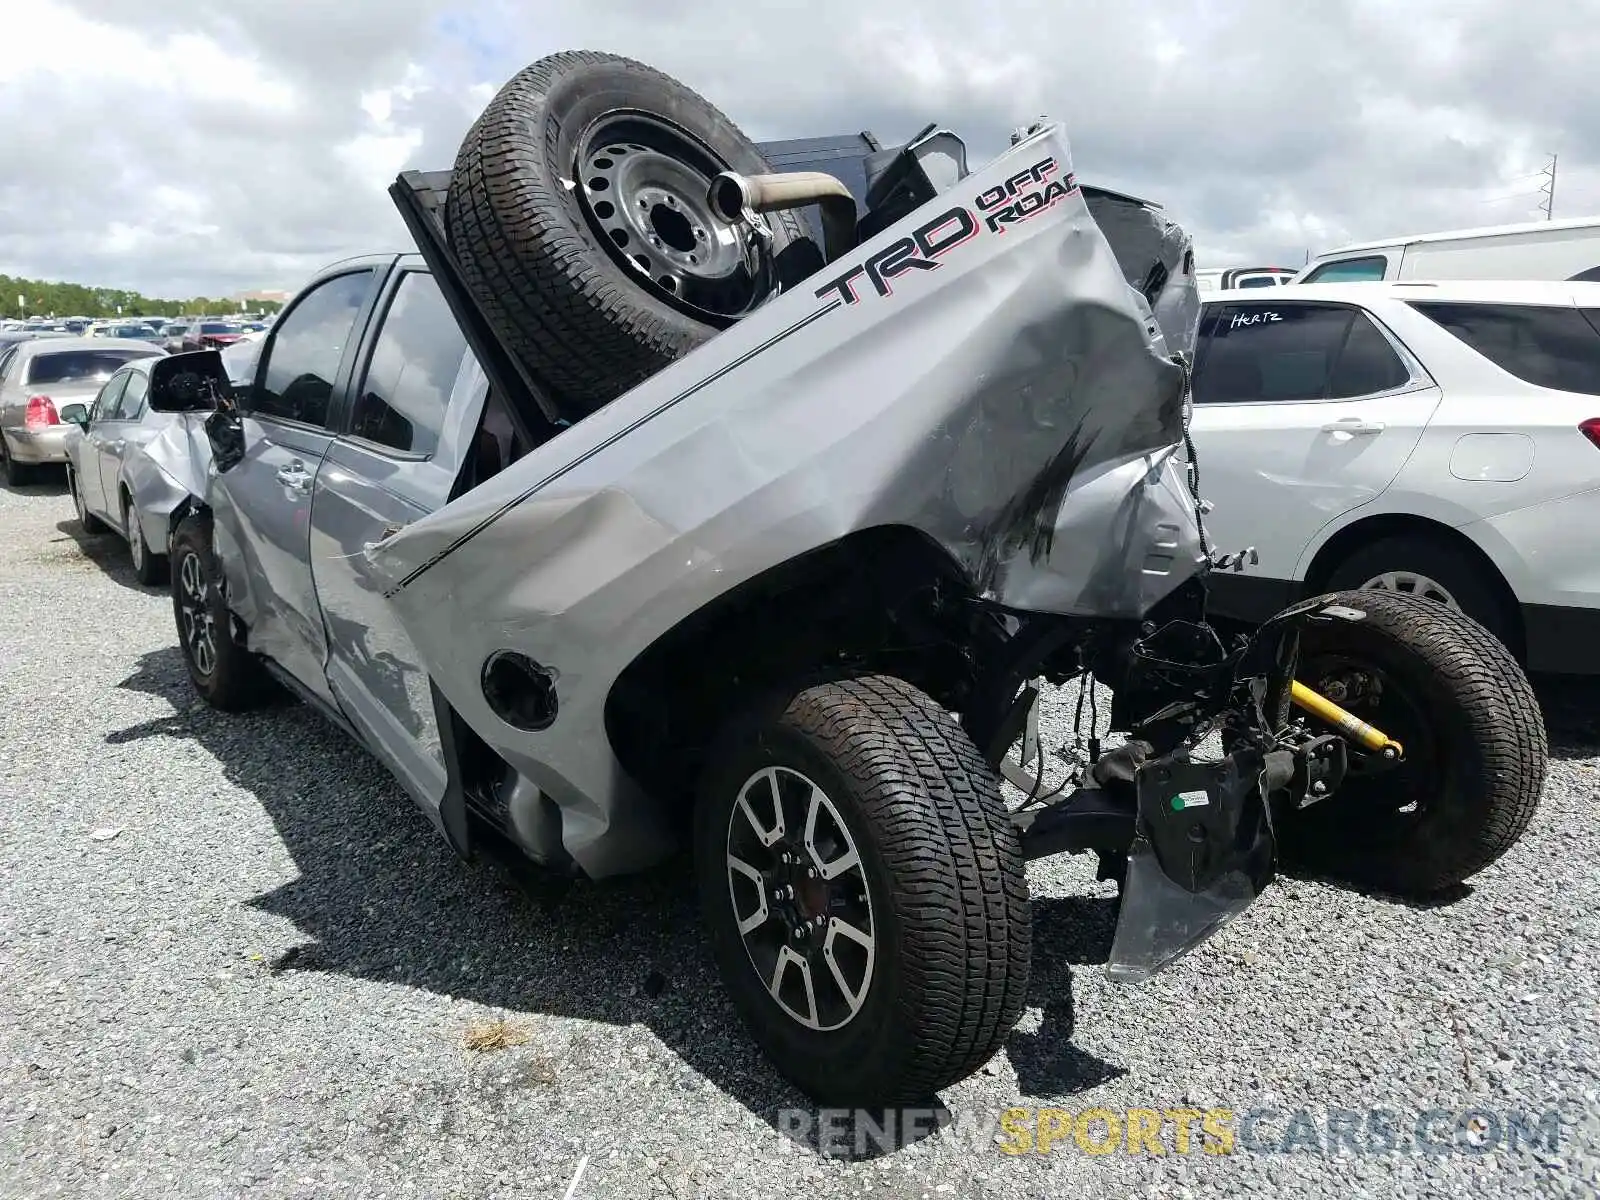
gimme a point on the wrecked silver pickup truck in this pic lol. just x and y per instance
(669, 499)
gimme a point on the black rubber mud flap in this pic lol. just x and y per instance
(1203, 852)
(453, 806)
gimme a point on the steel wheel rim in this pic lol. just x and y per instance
(810, 935)
(643, 185)
(198, 627)
(1412, 583)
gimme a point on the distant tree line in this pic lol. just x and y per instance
(43, 299)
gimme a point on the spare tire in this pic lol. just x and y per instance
(578, 213)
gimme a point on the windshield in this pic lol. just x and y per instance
(218, 327)
(80, 366)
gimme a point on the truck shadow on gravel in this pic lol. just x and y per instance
(108, 551)
(381, 897)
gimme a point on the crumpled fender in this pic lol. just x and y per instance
(166, 472)
(982, 372)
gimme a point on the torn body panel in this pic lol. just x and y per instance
(167, 471)
(980, 373)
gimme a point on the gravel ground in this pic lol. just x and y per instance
(234, 960)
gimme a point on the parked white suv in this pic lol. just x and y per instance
(1442, 438)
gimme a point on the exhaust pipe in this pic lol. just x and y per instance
(732, 195)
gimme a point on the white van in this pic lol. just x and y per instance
(1558, 250)
(1222, 279)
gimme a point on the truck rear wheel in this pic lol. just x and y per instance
(578, 212)
(864, 892)
(1475, 746)
(223, 671)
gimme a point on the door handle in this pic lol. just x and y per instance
(1353, 426)
(295, 476)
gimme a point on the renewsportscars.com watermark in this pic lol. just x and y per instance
(1177, 1131)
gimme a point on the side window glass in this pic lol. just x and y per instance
(402, 399)
(6, 359)
(298, 369)
(131, 406)
(105, 404)
(1271, 352)
(1350, 270)
(1547, 346)
(1367, 364)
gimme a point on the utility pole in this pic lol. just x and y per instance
(1549, 188)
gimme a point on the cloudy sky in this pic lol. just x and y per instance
(202, 148)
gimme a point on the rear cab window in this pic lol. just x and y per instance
(1549, 346)
(1368, 269)
(1264, 353)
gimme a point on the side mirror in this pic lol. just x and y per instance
(193, 382)
(76, 414)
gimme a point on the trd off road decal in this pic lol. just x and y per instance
(918, 252)
(1026, 194)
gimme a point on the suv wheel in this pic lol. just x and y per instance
(223, 671)
(864, 891)
(1411, 564)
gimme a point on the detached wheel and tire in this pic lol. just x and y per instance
(1476, 753)
(864, 892)
(578, 212)
(226, 675)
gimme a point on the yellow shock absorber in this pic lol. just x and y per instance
(1347, 723)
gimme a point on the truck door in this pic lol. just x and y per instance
(262, 506)
(416, 397)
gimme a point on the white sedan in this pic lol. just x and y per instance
(1437, 438)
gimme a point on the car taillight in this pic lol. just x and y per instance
(1591, 430)
(41, 412)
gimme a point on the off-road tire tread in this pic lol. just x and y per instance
(558, 297)
(956, 865)
(1512, 748)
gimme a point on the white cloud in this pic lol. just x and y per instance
(222, 147)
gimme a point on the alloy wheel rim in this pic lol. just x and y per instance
(809, 933)
(197, 625)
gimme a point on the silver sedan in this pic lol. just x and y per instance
(128, 467)
(38, 379)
